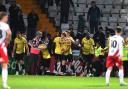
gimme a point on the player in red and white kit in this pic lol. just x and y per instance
(115, 55)
(5, 36)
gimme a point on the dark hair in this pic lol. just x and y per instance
(64, 34)
(118, 30)
(18, 32)
(3, 14)
(69, 32)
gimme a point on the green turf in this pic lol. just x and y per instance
(55, 82)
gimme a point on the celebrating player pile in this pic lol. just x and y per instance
(115, 56)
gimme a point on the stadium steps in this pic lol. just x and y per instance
(44, 22)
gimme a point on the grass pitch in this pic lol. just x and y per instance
(60, 82)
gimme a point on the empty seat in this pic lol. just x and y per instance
(75, 1)
(122, 20)
(75, 17)
(106, 10)
(117, 2)
(113, 24)
(123, 12)
(82, 5)
(113, 21)
(99, 2)
(108, 1)
(115, 11)
(57, 20)
(104, 24)
(122, 25)
(53, 14)
(125, 1)
(70, 17)
(81, 1)
(78, 9)
(52, 8)
(104, 19)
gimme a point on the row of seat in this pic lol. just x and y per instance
(102, 1)
(110, 16)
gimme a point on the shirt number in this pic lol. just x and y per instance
(0, 33)
(114, 44)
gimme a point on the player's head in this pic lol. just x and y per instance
(68, 33)
(39, 34)
(64, 34)
(19, 35)
(88, 35)
(98, 44)
(126, 41)
(118, 30)
(3, 17)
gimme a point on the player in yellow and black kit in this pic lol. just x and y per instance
(125, 58)
(57, 47)
(45, 55)
(57, 52)
(72, 41)
(19, 49)
(88, 51)
(65, 50)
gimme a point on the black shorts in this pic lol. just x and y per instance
(87, 58)
(68, 58)
(58, 57)
(46, 63)
(19, 57)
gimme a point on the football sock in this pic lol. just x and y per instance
(23, 66)
(108, 75)
(121, 75)
(56, 66)
(4, 76)
(63, 68)
(17, 67)
(73, 69)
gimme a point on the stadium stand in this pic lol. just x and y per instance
(44, 22)
(114, 12)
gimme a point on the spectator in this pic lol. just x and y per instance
(126, 30)
(93, 17)
(42, 4)
(50, 2)
(99, 37)
(81, 23)
(2, 7)
(65, 5)
(20, 21)
(13, 10)
(57, 2)
(32, 24)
